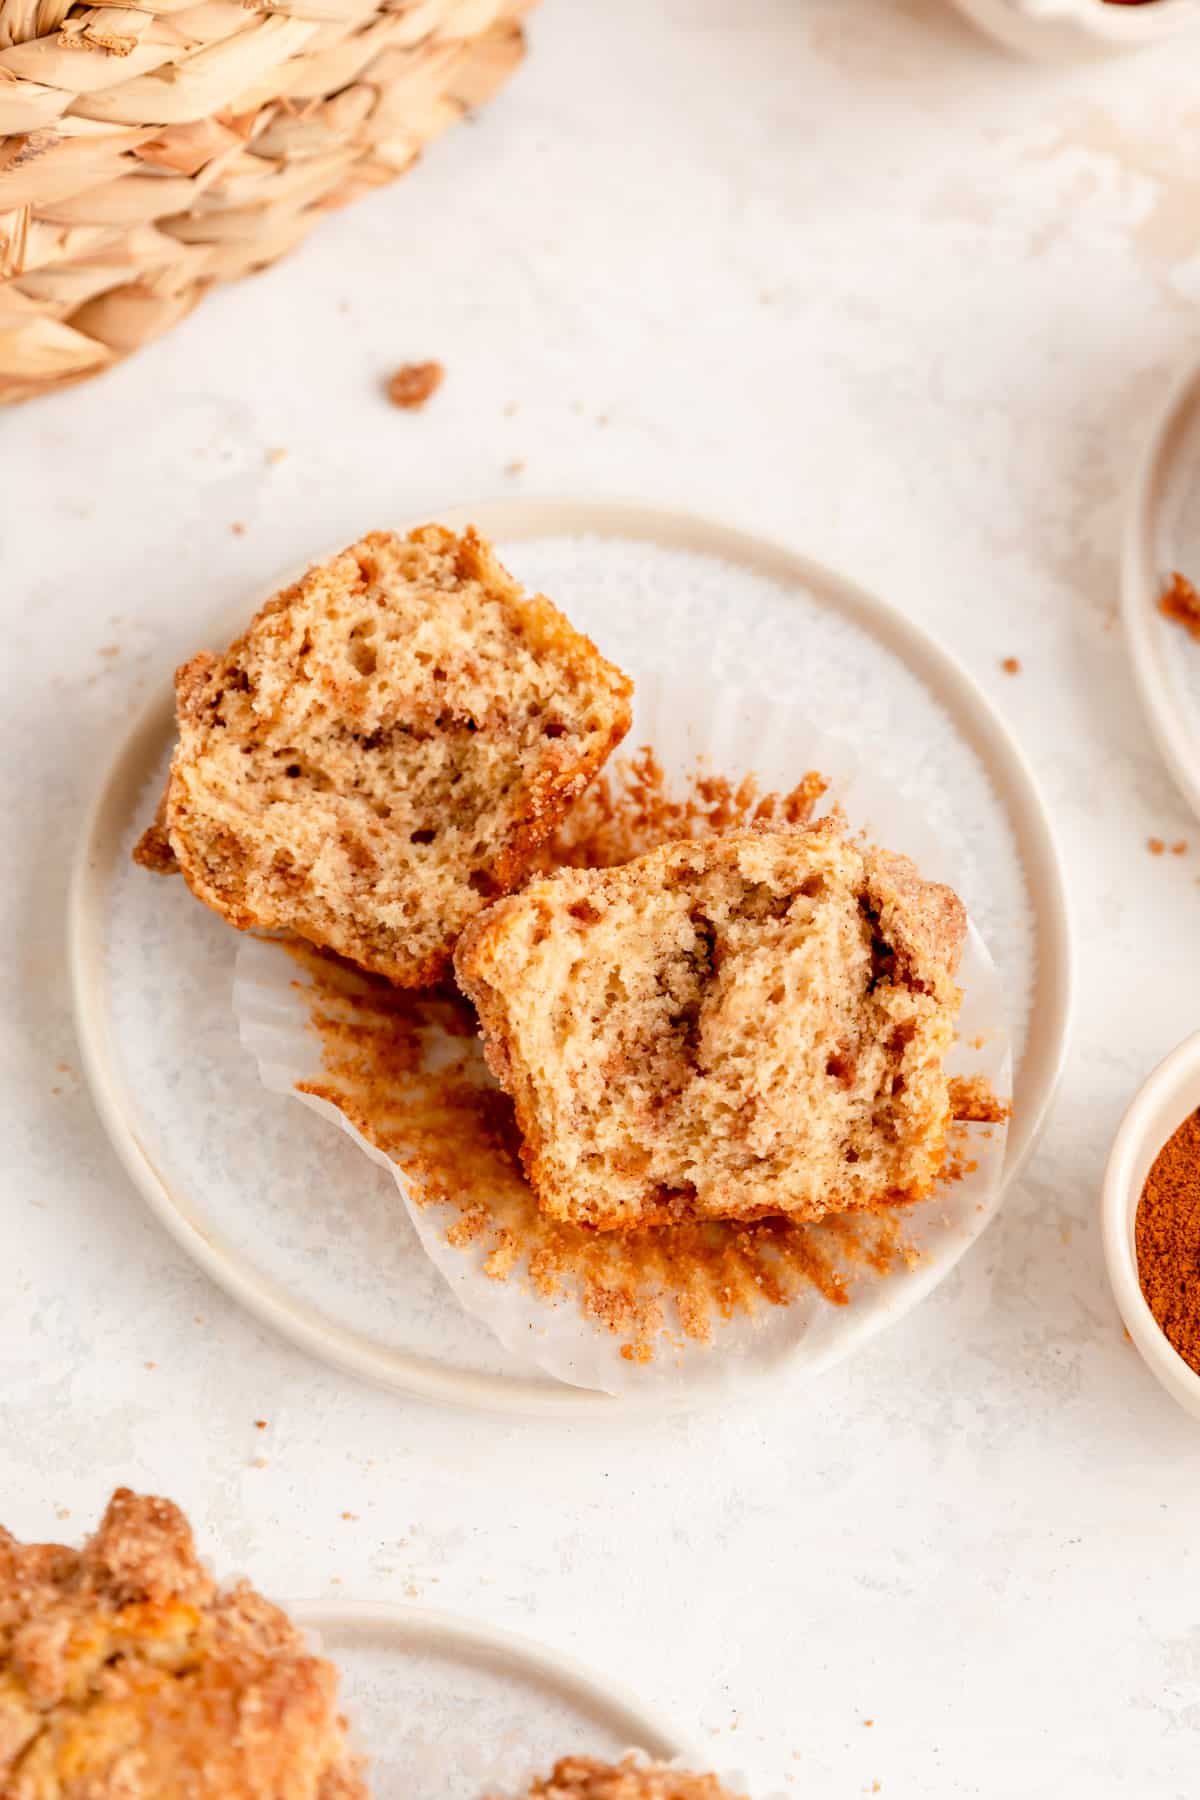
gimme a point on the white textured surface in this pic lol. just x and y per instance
(837, 268)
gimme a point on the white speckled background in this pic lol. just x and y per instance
(838, 270)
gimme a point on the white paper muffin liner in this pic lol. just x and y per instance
(685, 716)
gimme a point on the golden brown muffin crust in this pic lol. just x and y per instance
(126, 1675)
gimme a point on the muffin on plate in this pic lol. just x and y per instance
(126, 1675)
(383, 750)
(733, 1027)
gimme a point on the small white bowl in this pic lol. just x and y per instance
(1066, 30)
(1159, 1107)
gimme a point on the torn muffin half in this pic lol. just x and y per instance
(744, 1025)
(382, 751)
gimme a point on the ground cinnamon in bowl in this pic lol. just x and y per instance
(1167, 1239)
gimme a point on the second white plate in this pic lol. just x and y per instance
(280, 1209)
(449, 1710)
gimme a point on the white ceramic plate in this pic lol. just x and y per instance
(284, 1212)
(1162, 535)
(449, 1710)
(1067, 30)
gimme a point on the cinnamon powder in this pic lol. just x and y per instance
(1167, 1239)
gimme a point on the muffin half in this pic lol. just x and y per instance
(382, 751)
(743, 1025)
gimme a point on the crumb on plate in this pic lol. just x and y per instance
(1181, 602)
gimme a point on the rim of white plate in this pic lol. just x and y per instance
(1175, 727)
(418, 1628)
(1065, 30)
(1036, 1078)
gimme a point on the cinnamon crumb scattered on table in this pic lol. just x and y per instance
(238, 528)
(1179, 847)
(1155, 846)
(1011, 665)
(415, 383)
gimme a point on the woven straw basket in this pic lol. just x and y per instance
(149, 150)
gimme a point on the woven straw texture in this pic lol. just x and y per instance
(148, 151)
